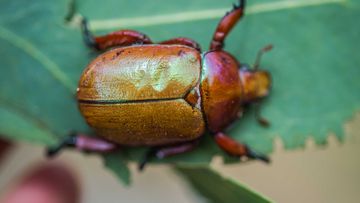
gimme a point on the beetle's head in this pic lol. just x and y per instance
(255, 82)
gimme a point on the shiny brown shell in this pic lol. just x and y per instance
(144, 95)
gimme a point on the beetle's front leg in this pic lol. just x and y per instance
(226, 24)
(235, 148)
(118, 38)
(84, 143)
(166, 151)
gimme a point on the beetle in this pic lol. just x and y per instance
(166, 95)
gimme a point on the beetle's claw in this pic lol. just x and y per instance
(143, 163)
(53, 151)
(148, 155)
(235, 6)
(142, 166)
(240, 5)
(263, 122)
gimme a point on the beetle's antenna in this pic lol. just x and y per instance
(253, 155)
(265, 49)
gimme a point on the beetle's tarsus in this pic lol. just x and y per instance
(68, 142)
(52, 151)
(254, 155)
(241, 4)
(142, 166)
(150, 153)
(87, 35)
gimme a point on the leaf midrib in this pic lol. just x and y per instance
(188, 16)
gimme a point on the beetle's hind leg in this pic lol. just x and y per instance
(82, 142)
(117, 38)
(237, 149)
(183, 41)
(166, 151)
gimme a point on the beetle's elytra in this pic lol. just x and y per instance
(165, 95)
(137, 95)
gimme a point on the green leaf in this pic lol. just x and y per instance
(314, 64)
(40, 67)
(216, 188)
(118, 165)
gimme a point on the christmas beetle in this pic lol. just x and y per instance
(165, 95)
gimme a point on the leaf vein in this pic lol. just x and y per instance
(188, 16)
(35, 53)
(27, 115)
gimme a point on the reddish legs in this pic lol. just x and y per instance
(234, 148)
(83, 142)
(118, 38)
(163, 152)
(183, 41)
(127, 38)
(226, 24)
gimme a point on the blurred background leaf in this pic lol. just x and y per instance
(217, 188)
(314, 64)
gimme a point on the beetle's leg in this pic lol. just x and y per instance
(183, 41)
(261, 120)
(226, 24)
(235, 148)
(163, 152)
(118, 38)
(82, 142)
